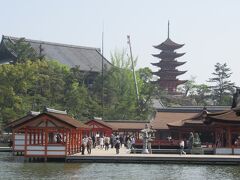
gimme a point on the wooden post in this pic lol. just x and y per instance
(46, 144)
(13, 141)
(78, 142)
(34, 136)
(38, 137)
(66, 143)
(25, 143)
(229, 143)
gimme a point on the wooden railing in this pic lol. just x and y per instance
(169, 143)
(158, 142)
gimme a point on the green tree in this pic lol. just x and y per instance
(201, 94)
(146, 92)
(120, 101)
(223, 87)
(22, 51)
(34, 85)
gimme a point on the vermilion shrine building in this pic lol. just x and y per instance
(51, 134)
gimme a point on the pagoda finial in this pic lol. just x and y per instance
(168, 28)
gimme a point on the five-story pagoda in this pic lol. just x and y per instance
(168, 64)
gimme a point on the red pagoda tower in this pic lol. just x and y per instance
(168, 64)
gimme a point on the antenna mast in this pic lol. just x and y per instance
(134, 75)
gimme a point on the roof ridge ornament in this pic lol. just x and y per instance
(34, 113)
(49, 110)
(168, 28)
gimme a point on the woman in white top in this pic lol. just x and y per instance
(101, 142)
(181, 144)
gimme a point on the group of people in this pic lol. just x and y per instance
(193, 142)
(87, 143)
(105, 142)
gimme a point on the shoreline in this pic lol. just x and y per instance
(110, 156)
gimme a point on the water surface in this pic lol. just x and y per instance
(14, 168)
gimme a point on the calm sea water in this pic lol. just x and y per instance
(11, 168)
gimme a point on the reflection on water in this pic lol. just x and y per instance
(11, 168)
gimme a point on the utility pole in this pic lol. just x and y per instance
(134, 75)
(102, 98)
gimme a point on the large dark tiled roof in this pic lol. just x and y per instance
(88, 58)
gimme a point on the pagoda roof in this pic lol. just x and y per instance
(168, 44)
(169, 72)
(168, 55)
(181, 82)
(176, 81)
(166, 62)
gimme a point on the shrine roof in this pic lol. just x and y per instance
(195, 109)
(197, 119)
(226, 117)
(106, 124)
(19, 121)
(128, 124)
(185, 115)
(61, 117)
(68, 120)
(162, 119)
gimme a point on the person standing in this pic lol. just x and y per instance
(121, 139)
(128, 139)
(149, 146)
(93, 141)
(117, 145)
(106, 142)
(89, 145)
(133, 141)
(84, 144)
(111, 140)
(181, 145)
(101, 142)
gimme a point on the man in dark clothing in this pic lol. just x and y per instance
(117, 145)
(93, 141)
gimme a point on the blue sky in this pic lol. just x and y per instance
(210, 29)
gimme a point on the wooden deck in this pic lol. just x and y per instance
(102, 156)
(5, 149)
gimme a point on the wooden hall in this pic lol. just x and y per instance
(219, 130)
(51, 134)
